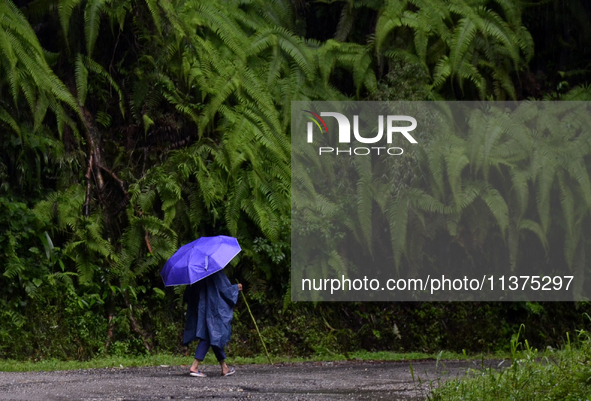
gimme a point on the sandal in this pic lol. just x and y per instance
(231, 371)
(197, 374)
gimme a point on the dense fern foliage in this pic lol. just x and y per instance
(129, 128)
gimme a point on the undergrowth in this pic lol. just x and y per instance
(549, 375)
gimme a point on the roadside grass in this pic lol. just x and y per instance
(551, 375)
(7, 365)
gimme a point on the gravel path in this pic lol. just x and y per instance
(299, 381)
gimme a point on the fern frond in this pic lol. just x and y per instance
(65, 10)
(92, 20)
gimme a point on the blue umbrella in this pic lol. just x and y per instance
(199, 259)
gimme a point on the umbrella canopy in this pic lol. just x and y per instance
(199, 259)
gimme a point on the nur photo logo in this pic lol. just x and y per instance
(392, 127)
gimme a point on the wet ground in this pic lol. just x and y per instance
(299, 381)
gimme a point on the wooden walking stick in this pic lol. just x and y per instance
(256, 327)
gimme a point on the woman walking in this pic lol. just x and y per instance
(210, 304)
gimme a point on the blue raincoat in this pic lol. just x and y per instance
(210, 304)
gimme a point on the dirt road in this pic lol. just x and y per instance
(299, 381)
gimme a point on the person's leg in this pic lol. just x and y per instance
(202, 349)
(200, 353)
(219, 353)
(221, 357)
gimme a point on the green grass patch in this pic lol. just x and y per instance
(7, 365)
(551, 375)
(177, 360)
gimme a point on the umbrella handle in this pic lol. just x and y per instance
(256, 327)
